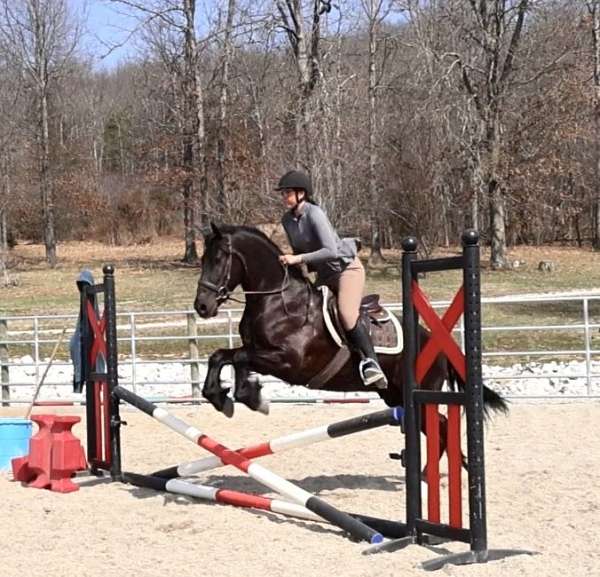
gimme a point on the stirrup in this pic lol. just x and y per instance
(371, 374)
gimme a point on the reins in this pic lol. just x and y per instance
(224, 294)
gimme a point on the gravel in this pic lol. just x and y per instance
(168, 380)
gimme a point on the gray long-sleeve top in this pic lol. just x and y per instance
(312, 235)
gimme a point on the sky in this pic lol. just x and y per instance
(109, 29)
(106, 27)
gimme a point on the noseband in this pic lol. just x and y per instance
(223, 292)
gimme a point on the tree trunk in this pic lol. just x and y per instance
(376, 257)
(307, 65)
(474, 223)
(445, 210)
(46, 188)
(121, 150)
(595, 10)
(495, 192)
(200, 143)
(223, 98)
(190, 128)
(3, 246)
(476, 196)
(497, 228)
(4, 221)
(257, 117)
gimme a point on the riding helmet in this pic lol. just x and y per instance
(295, 179)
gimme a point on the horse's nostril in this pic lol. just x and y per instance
(200, 307)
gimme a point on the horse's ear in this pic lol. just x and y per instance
(215, 230)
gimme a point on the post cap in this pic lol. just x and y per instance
(409, 244)
(108, 269)
(470, 237)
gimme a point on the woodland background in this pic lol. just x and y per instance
(412, 116)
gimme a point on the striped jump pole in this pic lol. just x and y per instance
(391, 529)
(288, 490)
(225, 496)
(350, 426)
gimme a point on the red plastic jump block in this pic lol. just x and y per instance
(54, 455)
(21, 471)
(40, 451)
(67, 455)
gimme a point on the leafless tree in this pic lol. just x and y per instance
(41, 37)
(376, 12)
(306, 49)
(496, 27)
(178, 17)
(223, 106)
(9, 97)
(594, 10)
(454, 112)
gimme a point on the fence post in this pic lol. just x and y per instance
(192, 331)
(133, 351)
(36, 348)
(4, 376)
(588, 345)
(230, 335)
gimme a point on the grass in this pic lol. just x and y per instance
(152, 277)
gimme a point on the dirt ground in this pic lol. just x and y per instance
(543, 494)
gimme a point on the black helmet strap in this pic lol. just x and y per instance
(298, 201)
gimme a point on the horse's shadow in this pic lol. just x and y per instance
(316, 484)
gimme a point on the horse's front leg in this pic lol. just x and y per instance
(212, 390)
(247, 391)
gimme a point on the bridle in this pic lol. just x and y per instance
(224, 293)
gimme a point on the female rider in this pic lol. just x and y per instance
(315, 242)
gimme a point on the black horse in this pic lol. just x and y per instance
(282, 328)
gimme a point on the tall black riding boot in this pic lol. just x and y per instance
(369, 368)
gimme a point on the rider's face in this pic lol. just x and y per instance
(289, 197)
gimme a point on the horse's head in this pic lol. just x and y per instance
(221, 273)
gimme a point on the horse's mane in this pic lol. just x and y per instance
(251, 231)
(240, 231)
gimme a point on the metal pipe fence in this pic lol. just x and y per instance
(160, 349)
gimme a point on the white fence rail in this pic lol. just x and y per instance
(166, 352)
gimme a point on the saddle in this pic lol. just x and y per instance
(384, 327)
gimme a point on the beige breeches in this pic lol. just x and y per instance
(349, 287)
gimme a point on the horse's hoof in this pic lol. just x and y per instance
(228, 408)
(263, 407)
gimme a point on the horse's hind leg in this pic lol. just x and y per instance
(443, 435)
(247, 390)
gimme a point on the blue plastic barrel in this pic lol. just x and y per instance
(14, 439)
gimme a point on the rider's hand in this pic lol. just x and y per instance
(290, 259)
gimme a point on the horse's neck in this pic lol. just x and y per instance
(263, 272)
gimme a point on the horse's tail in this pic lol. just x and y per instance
(491, 399)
